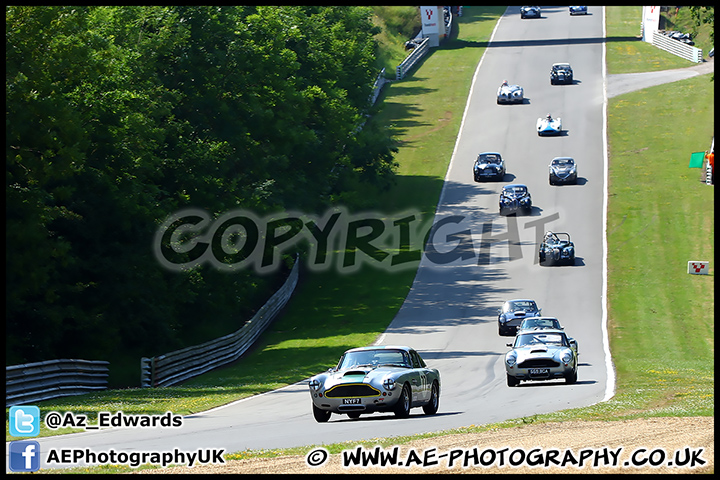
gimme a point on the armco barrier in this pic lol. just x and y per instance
(175, 367)
(676, 47)
(33, 382)
(414, 57)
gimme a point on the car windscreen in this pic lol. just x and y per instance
(530, 339)
(488, 159)
(374, 358)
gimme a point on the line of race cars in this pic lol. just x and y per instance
(396, 379)
(541, 349)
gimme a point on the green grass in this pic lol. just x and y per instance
(660, 216)
(627, 53)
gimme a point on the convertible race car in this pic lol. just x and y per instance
(513, 312)
(561, 73)
(510, 93)
(489, 165)
(556, 249)
(529, 11)
(541, 355)
(376, 379)
(548, 125)
(578, 10)
(514, 198)
(562, 170)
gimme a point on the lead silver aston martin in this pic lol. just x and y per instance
(541, 355)
(376, 379)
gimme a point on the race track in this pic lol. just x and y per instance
(450, 315)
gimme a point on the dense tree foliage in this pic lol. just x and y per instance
(117, 116)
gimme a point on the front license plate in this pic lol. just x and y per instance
(539, 371)
(351, 401)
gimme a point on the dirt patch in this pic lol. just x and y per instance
(665, 441)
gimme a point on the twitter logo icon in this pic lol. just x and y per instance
(24, 421)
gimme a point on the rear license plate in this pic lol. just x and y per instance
(351, 401)
(539, 371)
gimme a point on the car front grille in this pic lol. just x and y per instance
(538, 363)
(352, 390)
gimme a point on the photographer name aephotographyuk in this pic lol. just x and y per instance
(239, 239)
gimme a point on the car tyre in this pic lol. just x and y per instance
(402, 407)
(321, 416)
(512, 381)
(571, 378)
(432, 406)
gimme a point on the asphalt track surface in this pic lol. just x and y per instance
(450, 314)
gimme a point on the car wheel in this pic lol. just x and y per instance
(571, 378)
(432, 407)
(402, 407)
(512, 381)
(321, 416)
(353, 414)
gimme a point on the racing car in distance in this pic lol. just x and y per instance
(548, 125)
(562, 170)
(561, 73)
(556, 248)
(513, 312)
(514, 198)
(529, 11)
(375, 379)
(541, 355)
(578, 10)
(489, 165)
(510, 93)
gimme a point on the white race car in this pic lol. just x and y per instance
(510, 93)
(549, 126)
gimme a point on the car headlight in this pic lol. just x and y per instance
(314, 384)
(511, 358)
(566, 357)
(389, 384)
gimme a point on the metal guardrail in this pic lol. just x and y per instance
(175, 367)
(676, 47)
(414, 57)
(33, 382)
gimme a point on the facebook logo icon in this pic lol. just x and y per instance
(24, 456)
(24, 421)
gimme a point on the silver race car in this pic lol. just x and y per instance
(376, 379)
(548, 125)
(579, 10)
(541, 355)
(561, 73)
(562, 170)
(510, 93)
